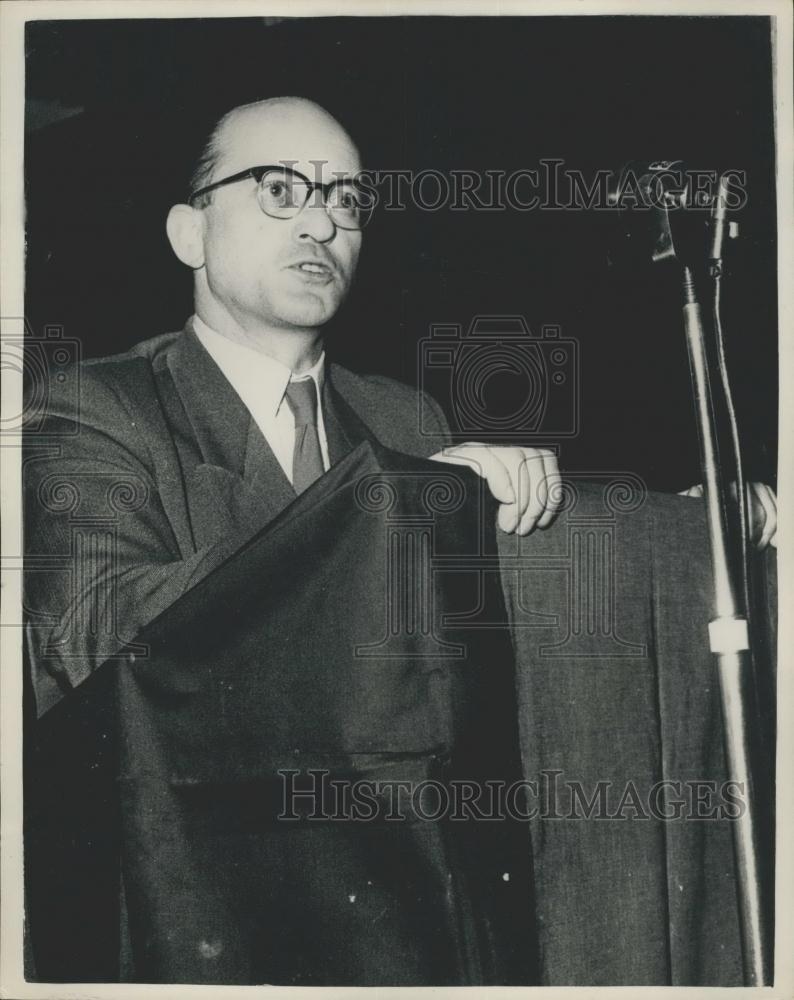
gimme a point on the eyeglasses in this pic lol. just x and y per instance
(282, 193)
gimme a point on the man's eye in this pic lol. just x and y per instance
(347, 200)
(276, 188)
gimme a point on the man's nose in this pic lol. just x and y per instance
(314, 223)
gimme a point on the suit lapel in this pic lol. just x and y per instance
(233, 479)
(218, 417)
(344, 429)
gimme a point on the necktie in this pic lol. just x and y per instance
(307, 458)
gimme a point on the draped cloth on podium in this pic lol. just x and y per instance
(312, 662)
(154, 850)
(621, 729)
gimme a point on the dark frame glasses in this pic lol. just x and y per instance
(353, 216)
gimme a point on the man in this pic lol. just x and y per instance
(202, 420)
(181, 453)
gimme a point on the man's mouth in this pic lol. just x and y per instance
(312, 270)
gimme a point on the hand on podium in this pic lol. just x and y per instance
(525, 481)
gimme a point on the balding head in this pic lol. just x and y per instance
(303, 127)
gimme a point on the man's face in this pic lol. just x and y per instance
(252, 261)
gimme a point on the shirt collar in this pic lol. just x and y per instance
(255, 376)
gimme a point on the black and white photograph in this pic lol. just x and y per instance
(393, 447)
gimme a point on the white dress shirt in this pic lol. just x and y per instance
(261, 381)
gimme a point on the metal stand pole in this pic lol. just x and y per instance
(729, 641)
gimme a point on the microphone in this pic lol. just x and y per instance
(661, 208)
(648, 195)
(719, 226)
(643, 184)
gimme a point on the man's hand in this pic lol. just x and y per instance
(762, 510)
(525, 481)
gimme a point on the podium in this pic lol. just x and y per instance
(228, 765)
(186, 811)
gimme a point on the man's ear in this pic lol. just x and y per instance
(185, 233)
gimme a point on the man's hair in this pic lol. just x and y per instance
(207, 160)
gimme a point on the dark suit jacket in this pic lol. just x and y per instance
(147, 471)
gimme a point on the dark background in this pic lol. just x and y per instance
(117, 109)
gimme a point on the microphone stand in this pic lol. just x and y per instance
(729, 642)
(679, 236)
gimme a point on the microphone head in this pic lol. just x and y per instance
(644, 192)
(662, 208)
(649, 184)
